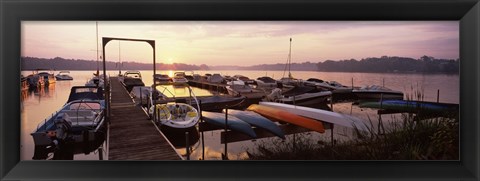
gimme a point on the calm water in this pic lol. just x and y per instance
(39, 105)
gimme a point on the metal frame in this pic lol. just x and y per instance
(105, 41)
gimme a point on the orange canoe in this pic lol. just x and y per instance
(280, 115)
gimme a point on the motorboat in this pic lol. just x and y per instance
(24, 83)
(141, 95)
(162, 79)
(216, 79)
(217, 102)
(179, 78)
(239, 88)
(78, 124)
(299, 95)
(132, 79)
(64, 75)
(244, 79)
(97, 81)
(35, 81)
(48, 77)
(324, 85)
(175, 112)
(377, 92)
(266, 83)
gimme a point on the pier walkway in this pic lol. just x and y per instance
(131, 135)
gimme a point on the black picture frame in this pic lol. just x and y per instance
(12, 12)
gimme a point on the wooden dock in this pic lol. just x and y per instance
(221, 88)
(131, 135)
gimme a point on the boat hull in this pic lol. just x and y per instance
(326, 116)
(233, 123)
(259, 121)
(377, 95)
(281, 115)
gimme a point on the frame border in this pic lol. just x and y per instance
(12, 12)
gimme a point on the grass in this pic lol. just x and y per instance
(406, 138)
(433, 139)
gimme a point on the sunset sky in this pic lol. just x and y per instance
(242, 42)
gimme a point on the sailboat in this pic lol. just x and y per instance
(292, 92)
(97, 79)
(288, 81)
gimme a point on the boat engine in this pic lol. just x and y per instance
(276, 94)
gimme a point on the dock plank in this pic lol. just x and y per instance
(132, 136)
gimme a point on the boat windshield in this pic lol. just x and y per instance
(85, 105)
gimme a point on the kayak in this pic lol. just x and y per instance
(257, 120)
(281, 115)
(325, 116)
(411, 106)
(233, 122)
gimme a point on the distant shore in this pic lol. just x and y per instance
(384, 64)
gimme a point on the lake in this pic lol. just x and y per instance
(38, 105)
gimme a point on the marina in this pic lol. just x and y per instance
(170, 109)
(123, 106)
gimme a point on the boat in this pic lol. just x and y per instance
(85, 93)
(176, 115)
(64, 75)
(239, 88)
(299, 95)
(412, 106)
(258, 121)
(244, 79)
(179, 78)
(23, 84)
(377, 92)
(96, 81)
(172, 111)
(79, 123)
(132, 79)
(319, 114)
(266, 83)
(162, 79)
(324, 85)
(216, 79)
(141, 95)
(217, 103)
(284, 116)
(232, 122)
(35, 81)
(48, 77)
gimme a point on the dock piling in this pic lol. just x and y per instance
(187, 145)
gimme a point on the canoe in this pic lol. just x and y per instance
(411, 106)
(325, 116)
(280, 115)
(233, 122)
(258, 120)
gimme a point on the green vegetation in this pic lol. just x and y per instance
(405, 139)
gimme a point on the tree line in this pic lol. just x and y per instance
(58, 63)
(425, 64)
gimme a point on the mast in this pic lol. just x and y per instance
(290, 59)
(98, 64)
(119, 60)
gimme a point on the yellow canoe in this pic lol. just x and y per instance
(281, 115)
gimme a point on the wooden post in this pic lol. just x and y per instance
(203, 140)
(187, 145)
(100, 153)
(226, 127)
(331, 134)
(438, 95)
